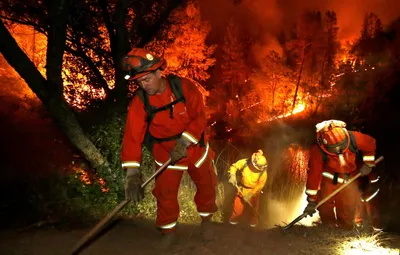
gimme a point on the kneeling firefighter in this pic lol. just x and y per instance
(249, 177)
(334, 160)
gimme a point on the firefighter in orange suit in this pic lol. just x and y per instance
(333, 160)
(249, 177)
(177, 129)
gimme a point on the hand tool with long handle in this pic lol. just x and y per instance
(251, 206)
(118, 208)
(328, 197)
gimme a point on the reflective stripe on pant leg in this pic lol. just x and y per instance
(370, 197)
(168, 226)
(166, 193)
(203, 214)
(205, 180)
(326, 212)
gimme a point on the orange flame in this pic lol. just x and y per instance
(87, 179)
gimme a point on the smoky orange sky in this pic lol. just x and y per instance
(265, 18)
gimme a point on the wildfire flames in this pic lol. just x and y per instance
(298, 108)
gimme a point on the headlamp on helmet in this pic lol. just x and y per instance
(140, 62)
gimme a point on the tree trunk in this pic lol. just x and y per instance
(274, 85)
(50, 91)
(321, 84)
(121, 49)
(298, 79)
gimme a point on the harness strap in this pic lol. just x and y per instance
(166, 139)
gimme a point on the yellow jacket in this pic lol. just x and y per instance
(246, 177)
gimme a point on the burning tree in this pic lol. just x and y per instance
(94, 49)
(232, 84)
(273, 82)
(311, 50)
(183, 44)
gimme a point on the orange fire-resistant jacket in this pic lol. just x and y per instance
(252, 181)
(365, 143)
(188, 119)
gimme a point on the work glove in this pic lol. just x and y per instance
(133, 182)
(310, 208)
(180, 150)
(365, 170)
(232, 180)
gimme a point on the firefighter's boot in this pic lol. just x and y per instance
(207, 231)
(167, 241)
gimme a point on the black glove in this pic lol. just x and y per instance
(180, 150)
(365, 170)
(310, 208)
(133, 182)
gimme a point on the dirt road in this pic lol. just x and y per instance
(140, 237)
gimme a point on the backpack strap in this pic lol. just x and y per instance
(149, 109)
(353, 147)
(176, 87)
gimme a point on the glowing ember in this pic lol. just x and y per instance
(84, 176)
(365, 245)
(87, 180)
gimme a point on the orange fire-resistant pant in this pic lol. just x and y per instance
(370, 207)
(239, 206)
(345, 203)
(166, 193)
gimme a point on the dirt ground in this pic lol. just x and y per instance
(141, 237)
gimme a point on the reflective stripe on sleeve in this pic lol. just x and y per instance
(369, 158)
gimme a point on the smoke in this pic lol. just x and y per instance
(281, 213)
(350, 14)
(265, 19)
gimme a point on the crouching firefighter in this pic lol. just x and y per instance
(333, 161)
(167, 115)
(249, 177)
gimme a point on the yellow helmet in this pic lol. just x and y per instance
(259, 161)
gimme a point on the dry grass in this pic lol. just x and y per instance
(366, 245)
